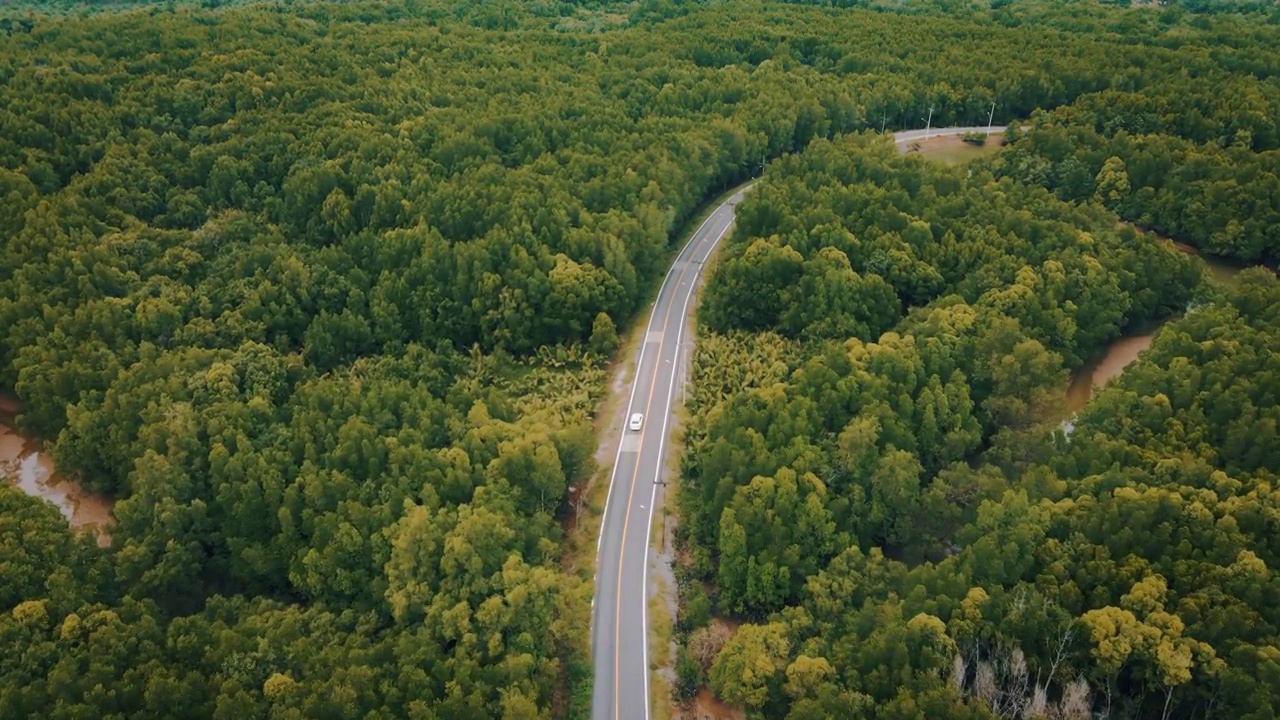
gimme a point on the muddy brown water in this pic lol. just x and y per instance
(1124, 350)
(1119, 354)
(1219, 270)
(24, 463)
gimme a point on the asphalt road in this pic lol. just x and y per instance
(906, 136)
(619, 641)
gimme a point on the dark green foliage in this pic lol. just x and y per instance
(42, 559)
(604, 335)
(688, 676)
(855, 239)
(902, 519)
(320, 292)
(1209, 177)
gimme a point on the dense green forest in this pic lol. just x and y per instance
(1209, 175)
(878, 479)
(323, 294)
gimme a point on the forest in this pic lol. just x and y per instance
(888, 511)
(324, 295)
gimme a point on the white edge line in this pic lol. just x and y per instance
(618, 456)
(662, 439)
(632, 398)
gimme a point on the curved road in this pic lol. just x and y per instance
(619, 641)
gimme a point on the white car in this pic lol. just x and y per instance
(636, 421)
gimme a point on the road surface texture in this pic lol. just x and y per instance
(909, 136)
(619, 642)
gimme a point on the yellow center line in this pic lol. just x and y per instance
(626, 517)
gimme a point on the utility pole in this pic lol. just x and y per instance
(992, 114)
(664, 519)
(929, 123)
(884, 118)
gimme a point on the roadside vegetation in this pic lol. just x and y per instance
(878, 483)
(324, 294)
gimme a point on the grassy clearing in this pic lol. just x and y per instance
(953, 150)
(588, 20)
